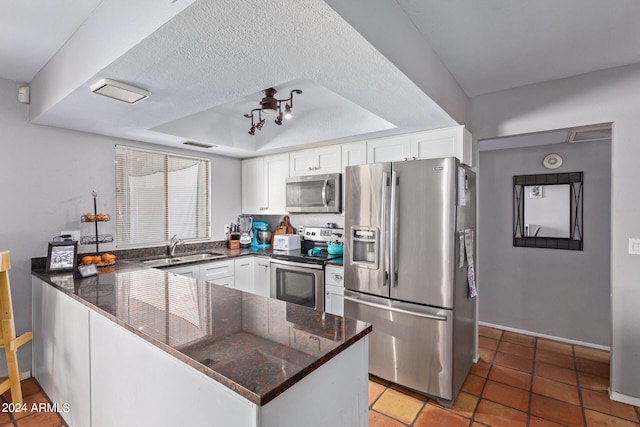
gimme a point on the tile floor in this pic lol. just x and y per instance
(36, 415)
(519, 381)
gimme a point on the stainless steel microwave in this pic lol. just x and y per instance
(314, 193)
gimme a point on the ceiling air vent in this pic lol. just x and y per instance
(198, 144)
(119, 91)
(589, 134)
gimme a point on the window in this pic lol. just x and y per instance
(160, 195)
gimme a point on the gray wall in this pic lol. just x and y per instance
(46, 178)
(608, 96)
(546, 291)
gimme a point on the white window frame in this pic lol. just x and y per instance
(158, 228)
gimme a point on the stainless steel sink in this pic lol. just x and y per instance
(156, 262)
(202, 256)
(164, 261)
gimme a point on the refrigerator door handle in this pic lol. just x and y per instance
(392, 230)
(397, 310)
(383, 229)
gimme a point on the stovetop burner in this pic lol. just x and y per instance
(294, 256)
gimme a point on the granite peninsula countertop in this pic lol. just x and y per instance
(256, 346)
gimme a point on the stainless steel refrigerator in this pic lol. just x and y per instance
(405, 271)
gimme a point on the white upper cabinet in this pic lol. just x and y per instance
(354, 153)
(391, 149)
(263, 184)
(316, 161)
(448, 142)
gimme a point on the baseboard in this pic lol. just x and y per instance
(551, 337)
(619, 397)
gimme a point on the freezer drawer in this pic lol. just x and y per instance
(410, 345)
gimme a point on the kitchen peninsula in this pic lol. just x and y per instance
(142, 346)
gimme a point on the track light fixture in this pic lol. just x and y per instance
(270, 105)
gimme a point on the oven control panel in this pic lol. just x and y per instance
(323, 234)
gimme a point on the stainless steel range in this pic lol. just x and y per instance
(298, 276)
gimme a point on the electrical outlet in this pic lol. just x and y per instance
(226, 229)
(634, 246)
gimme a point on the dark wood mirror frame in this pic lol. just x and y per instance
(575, 239)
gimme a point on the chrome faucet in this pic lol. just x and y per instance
(173, 243)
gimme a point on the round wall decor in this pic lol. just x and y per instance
(552, 161)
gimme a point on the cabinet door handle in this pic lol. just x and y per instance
(311, 168)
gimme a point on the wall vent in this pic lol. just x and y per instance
(198, 144)
(589, 134)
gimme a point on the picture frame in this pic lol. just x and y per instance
(62, 256)
(535, 192)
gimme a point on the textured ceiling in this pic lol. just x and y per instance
(368, 68)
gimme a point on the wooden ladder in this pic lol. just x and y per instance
(8, 339)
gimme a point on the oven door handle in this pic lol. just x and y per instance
(297, 264)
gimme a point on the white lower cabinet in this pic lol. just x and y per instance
(61, 358)
(187, 270)
(334, 290)
(243, 277)
(245, 273)
(261, 277)
(220, 273)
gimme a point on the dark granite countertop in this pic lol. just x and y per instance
(254, 345)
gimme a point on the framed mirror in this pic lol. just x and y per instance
(548, 211)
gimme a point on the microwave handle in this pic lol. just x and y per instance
(325, 202)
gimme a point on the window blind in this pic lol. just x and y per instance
(159, 195)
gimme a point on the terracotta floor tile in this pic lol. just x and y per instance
(539, 422)
(594, 354)
(555, 359)
(496, 415)
(488, 343)
(516, 349)
(555, 410)
(38, 397)
(555, 346)
(597, 419)
(375, 390)
(513, 362)
(510, 377)
(594, 382)
(398, 406)
(465, 404)
(600, 401)
(557, 390)
(40, 419)
(486, 355)
(4, 417)
(481, 369)
(519, 338)
(485, 331)
(408, 392)
(473, 385)
(592, 367)
(506, 395)
(377, 419)
(556, 373)
(434, 416)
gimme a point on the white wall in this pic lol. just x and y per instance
(47, 175)
(603, 96)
